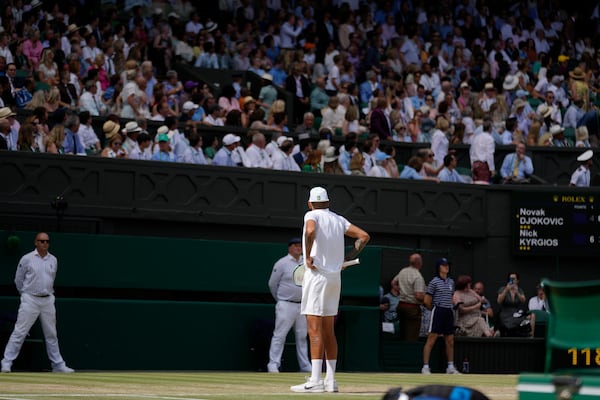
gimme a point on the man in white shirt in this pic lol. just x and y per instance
(193, 153)
(289, 32)
(323, 243)
(282, 158)
(142, 151)
(539, 301)
(581, 176)
(34, 280)
(194, 26)
(214, 116)
(482, 154)
(448, 173)
(4, 50)
(256, 153)
(90, 101)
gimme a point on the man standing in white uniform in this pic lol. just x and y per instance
(35, 282)
(581, 176)
(287, 311)
(323, 243)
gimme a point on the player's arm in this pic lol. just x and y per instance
(362, 238)
(310, 230)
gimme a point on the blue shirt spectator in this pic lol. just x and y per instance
(410, 173)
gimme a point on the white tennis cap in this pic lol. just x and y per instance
(318, 195)
(230, 139)
(583, 157)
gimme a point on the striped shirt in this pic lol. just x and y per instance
(35, 274)
(441, 291)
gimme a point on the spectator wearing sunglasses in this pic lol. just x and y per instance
(114, 148)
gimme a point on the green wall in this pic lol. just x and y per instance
(132, 333)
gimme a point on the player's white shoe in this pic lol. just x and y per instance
(309, 387)
(452, 370)
(331, 386)
(63, 369)
(426, 371)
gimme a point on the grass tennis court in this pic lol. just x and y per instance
(228, 385)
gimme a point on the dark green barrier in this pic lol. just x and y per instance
(170, 335)
(146, 332)
(133, 262)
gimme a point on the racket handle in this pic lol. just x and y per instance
(349, 263)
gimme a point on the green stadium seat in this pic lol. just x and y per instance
(317, 123)
(573, 322)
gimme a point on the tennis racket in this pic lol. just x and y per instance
(298, 274)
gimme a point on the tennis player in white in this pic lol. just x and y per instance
(323, 243)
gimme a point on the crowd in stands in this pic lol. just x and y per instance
(475, 72)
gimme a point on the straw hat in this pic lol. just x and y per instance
(582, 133)
(6, 112)
(545, 110)
(518, 103)
(110, 129)
(577, 74)
(72, 28)
(132, 127)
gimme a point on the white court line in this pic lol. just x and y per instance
(148, 396)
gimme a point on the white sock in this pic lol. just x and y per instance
(330, 371)
(425, 365)
(317, 368)
(450, 364)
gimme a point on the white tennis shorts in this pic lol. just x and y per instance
(321, 293)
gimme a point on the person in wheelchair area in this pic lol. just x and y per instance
(514, 318)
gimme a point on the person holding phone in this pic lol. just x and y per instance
(513, 318)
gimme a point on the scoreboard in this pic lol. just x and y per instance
(551, 223)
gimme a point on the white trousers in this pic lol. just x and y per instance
(287, 314)
(30, 309)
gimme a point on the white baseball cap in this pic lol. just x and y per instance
(230, 138)
(189, 106)
(318, 195)
(282, 139)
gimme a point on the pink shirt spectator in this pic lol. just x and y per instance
(33, 51)
(229, 104)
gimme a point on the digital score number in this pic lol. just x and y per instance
(581, 358)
